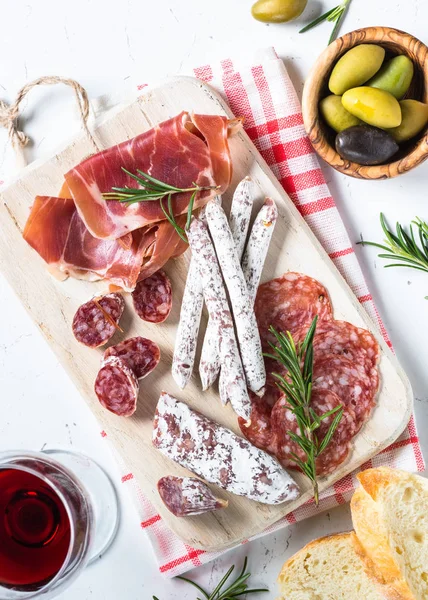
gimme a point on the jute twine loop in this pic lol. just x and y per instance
(9, 113)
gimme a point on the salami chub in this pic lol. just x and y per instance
(188, 496)
(152, 298)
(116, 387)
(218, 455)
(96, 321)
(140, 354)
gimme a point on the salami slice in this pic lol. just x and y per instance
(259, 431)
(140, 354)
(219, 456)
(186, 496)
(345, 339)
(283, 421)
(290, 303)
(96, 321)
(349, 381)
(116, 387)
(152, 298)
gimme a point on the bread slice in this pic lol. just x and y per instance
(390, 517)
(331, 568)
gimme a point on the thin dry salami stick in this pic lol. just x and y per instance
(185, 496)
(242, 306)
(239, 221)
(218, 308)
(190, 319)
(218, 455)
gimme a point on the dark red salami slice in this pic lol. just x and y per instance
(116, 387)
(96, 321)
(344, 339)
(349, 381)
(153, 298)
(259, 432)
(185, 496)
(289, 303)
(140, 354)
(283, 421)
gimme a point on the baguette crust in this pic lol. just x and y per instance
(389, 514)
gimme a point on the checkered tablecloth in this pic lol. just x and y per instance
(265, 96)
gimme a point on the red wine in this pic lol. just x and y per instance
(34, 531)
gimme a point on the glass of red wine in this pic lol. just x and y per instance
(58, 512)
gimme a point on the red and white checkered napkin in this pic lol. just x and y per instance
(265, 96)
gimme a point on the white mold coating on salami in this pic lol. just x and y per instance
(91, 326)
(218, 308)
(190, 319)
(140, 354)
(209, 364)
(152, 297)
(218, 455)
(116, 387)
(185, 496)
(242, 306)
(258, 245)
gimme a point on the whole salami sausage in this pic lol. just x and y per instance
(190, 319)
(186, 496)
(116, 387)
(242, 306)
(239, 220)
(140, 354)
(152, 297)
(218, 308)
(96, 321)
(218, 455)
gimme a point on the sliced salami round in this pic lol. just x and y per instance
(96, 321)
(356, 390)
(116, 387)
(259, 431)
(290, 303)
(344, 339)
(185, 496)
(152, 298)
(284, 421)
(140, 354)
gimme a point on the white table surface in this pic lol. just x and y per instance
(110, 47)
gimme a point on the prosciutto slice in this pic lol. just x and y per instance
(180, 151)
(55, 230)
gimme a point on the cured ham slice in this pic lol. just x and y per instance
(55, 230)
(180, 151)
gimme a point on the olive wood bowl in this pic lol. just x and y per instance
(411, 153)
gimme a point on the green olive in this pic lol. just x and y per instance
(335, 115)
(394, 77)
(356, 67)
(373, 106)
(278, 11)
(415, 118)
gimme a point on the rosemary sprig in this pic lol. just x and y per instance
(238, 587)
(151, 189)
(405, 249)
(298, 361)
(334, 15)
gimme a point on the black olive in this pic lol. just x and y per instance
(366, 145)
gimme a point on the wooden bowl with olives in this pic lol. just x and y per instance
(365, 103)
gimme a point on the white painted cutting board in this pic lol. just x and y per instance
(52, 305)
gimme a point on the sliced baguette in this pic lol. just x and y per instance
(390, 517)
(331, 568)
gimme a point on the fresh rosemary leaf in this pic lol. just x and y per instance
(298, 362)
(402, 246)
(318, 20)
(334, 15)
(198, 587)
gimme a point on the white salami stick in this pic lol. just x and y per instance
(218, 455)
(190, 319)
(218, 308)
(239, 221)
(185, 496)
(258, 244)
(242, 306)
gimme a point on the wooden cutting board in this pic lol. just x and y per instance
(52, 305)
